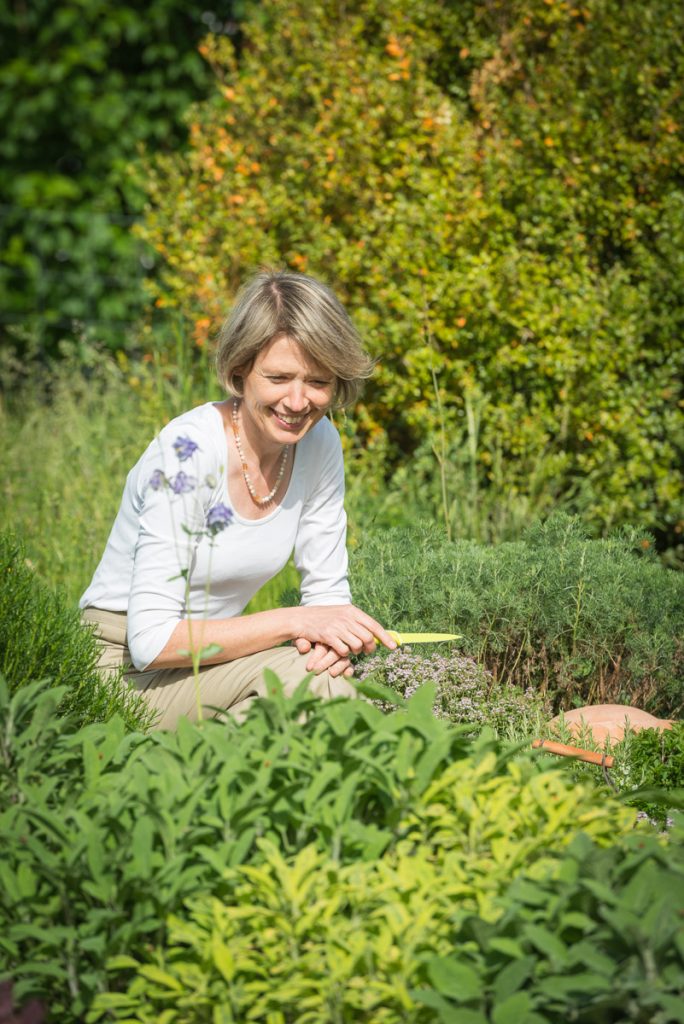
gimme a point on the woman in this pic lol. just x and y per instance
(218, 503)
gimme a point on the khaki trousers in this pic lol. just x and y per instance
(230, 686)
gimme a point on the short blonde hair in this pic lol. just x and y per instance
(283, 302)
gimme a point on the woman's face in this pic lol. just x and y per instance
(284, 394)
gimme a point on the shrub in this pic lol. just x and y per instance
(465, 692)
(648, 770)
(106, 835)
(596, 939)
(586, 621)
(495, 191)
(42, 637)
(83, 86)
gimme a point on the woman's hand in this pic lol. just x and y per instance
(344, 629)
(324, 659)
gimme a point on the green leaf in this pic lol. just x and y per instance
(378, 691)
(673, 1007)
(209, 651)
(454, 979)
(448, 1014)
(512, 1010)
(667, 798)
(27, 883)
(122, 962)
(141, 847)
(223, 959)
(546, 942)
(512, 977)
(510, 947)
(163, 978)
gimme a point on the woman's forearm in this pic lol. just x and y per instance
(236, 637)
(344, 629)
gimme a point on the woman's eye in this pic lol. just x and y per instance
(276, 379)
(321, 383)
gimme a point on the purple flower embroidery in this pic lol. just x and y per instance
(158, 480)
(185, 448)
(182, 483)
(218, 517)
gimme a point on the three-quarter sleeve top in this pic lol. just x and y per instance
(178, 549)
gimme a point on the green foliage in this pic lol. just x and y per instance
(597, 940)
(495, 189)
(600, 942)
(42, 637)
(465, 692)
(72, 428)
(586, 621)
(655, 759)
(648, 770)
(83, 84)
(107, 836)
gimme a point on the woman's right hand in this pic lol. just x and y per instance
(344, 628)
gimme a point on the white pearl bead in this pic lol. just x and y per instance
(245, 471)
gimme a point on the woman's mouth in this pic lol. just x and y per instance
(290, 421)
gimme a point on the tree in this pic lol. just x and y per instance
(495, 189)
(83, 85)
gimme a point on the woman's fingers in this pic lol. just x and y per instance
(344, 628)
(303, 645)
(324, 659)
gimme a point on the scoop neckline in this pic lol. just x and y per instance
(240, 518)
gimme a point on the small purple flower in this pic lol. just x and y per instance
(182, 483)
(218, 518)
(158, 480)
(185, 448)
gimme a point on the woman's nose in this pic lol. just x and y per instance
(296, 396)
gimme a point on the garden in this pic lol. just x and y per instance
(496, 192)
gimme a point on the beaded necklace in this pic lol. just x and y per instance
(245, 469)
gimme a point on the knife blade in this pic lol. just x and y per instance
(421, 638)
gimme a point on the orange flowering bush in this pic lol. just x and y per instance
(495, 190)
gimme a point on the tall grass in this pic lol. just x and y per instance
(68, 441)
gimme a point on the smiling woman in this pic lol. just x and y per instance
(219, 501)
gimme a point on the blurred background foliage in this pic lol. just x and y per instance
(496, 190)
(83, 85)
(494, 187)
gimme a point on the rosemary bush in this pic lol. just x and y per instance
(584, 621)
(42, 637)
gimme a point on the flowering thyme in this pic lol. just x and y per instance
(465, 691)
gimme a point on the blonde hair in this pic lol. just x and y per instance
(283, 302)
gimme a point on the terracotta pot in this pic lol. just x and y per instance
(603, 720)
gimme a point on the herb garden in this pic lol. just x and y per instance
(496, 191)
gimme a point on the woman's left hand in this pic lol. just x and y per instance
(324, 659)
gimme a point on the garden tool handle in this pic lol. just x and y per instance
(590, 756)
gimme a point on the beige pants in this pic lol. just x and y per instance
(230, 686)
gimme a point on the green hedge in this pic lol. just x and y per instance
(586, 621)
(42, 637)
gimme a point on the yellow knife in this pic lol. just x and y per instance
(421, 638)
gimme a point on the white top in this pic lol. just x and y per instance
(163, 563)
